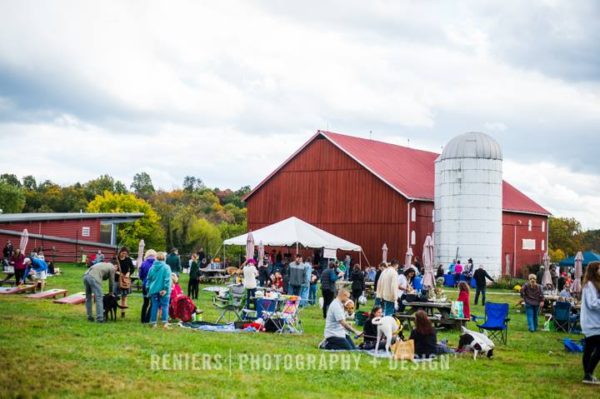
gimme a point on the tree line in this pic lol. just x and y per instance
(187, 218)
(566, 237)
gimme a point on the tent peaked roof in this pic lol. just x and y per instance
(408, 171)
(288, 232)
(588, 256)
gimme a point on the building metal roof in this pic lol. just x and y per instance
(409, 171)
(41, 217)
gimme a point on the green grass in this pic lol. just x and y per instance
(50, 350)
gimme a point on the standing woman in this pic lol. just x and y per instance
(590, 321)
(159, 289)
(194, 278)
(17, 260)
(532, 294)
(144, 270)
(358, 284)
(123, 277)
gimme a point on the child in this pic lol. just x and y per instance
(463, 296)
(277, 282)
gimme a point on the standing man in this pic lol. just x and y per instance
(480, 283)
(174, 262)
(306, 282)
(336, 327)
(92, 280)
(328, 279)
(387, 288)
(296, 272)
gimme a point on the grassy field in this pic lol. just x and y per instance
(50, 350)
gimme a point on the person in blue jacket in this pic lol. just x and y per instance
(40, 268)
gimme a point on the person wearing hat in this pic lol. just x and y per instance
(250, 274)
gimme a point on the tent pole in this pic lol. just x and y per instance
(367, 259)
(296, 249)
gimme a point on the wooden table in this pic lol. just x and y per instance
(215, 275)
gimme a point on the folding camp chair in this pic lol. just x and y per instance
(265, 307)
(496, 321)
(564, 320)
(231, 304)
(288, 320)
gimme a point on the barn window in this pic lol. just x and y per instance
(530, 225)
(543, 245)
(85, 231)
(528, 244)
(413, 215)
(413, 238)
(543, 227)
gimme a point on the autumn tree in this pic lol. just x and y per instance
(129, 234)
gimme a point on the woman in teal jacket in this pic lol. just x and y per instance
(159, 289)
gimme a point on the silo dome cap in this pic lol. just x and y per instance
(472, 145)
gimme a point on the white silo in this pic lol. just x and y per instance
(468, 202)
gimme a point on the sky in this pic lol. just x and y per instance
(227, 90)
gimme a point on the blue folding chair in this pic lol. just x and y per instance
(564, 320)
(495, 321)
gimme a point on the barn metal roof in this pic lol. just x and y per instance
(408, 171)
(40, 217)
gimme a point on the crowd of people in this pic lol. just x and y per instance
(164, 299)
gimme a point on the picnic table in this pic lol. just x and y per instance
(215, 275)
(439, 313)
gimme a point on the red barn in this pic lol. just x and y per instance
(64, 237)
(371, 193)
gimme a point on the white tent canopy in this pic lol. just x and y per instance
(292, 231)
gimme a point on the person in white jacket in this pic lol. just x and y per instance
(250, 274)
(590, 321)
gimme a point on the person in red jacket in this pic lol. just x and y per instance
(463, 296)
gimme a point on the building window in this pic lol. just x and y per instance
(543, 245)
(413, 238)
(413, 215)
(530, 225)
(528, 244)
(543, 227)
(105, 233)
(85, 231)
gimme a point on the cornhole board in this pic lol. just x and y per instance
(17, 290)
(53, 293)
(75, 299)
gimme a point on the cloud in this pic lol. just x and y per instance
(267, 74)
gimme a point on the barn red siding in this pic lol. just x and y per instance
(70, 229)
(325, 187)
(515, 227)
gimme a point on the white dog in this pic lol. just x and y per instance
(476, 342)
(388, 326)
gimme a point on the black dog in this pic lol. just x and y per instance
(110, 307)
